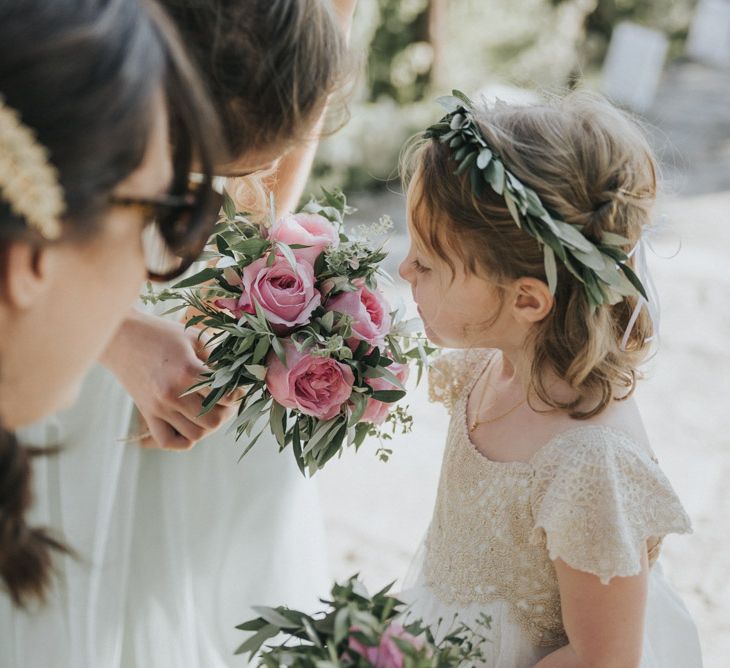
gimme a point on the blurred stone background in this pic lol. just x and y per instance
(414, 50)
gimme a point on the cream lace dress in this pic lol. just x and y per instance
(591, 496)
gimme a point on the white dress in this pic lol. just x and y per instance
(173, 548)
(591, 496)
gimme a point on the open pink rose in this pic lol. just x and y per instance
(317, 386)
(387, 654)
(376, 411)
(369, 310)
(307, 229)
(286, 295)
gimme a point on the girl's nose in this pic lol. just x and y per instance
(403, 269)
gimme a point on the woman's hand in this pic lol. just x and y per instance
(157, 360)
(604, 623)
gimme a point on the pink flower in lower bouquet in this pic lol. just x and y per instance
(369, 311)
(306, 229)
(286, 294)
(317, 386)
(387, 654)
(376, 411)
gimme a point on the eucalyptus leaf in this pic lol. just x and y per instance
(256, 370)
(484, 158)
(514, 212)
(229, 206)
(572, 237)
(279, 350)
(462, 98)
(629, 272)
(551, 269)
(261, 349)
(277, 417)
(196, 279)
(288, 254)
(466, 163)
(254, 643)
(360, 402)
(388, 396)
(495, 176)
(592, 259)
(449, 102)
(457, 120)
(273, 616)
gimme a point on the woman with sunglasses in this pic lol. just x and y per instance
(177, 545)
(93, 93)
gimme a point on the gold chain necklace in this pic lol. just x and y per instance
(477, 423)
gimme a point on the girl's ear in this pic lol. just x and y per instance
(27, 275)
(531, 300)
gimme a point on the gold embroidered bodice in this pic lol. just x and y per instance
(591, 496)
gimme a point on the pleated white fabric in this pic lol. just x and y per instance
(87, 495)
(215, 538)
(173, 548)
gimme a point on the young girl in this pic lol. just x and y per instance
(551, 506)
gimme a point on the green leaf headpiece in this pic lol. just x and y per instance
(601, 267)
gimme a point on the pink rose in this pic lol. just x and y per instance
(317, 386)
(376, 411)
(286, 295)
(387, 654)
(234, 306)
(369, 310)
(306, 229)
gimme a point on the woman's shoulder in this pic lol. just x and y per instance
(451, 373)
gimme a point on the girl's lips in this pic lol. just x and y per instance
(426, 328)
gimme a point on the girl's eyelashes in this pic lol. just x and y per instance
(419, 267)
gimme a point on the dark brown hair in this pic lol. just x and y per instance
(592, 167)
(269, 64)
(25, 552)
(83, 75)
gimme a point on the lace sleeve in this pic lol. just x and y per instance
(597, 498)
(450, 373)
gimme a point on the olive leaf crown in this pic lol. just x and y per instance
(601, 267)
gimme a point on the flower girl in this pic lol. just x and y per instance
(551, 507)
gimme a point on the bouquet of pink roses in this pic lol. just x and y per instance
(299, 321)
(359, 631)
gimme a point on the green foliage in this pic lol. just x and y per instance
(325, 639)
(400, 55)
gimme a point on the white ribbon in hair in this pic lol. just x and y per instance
(641, 267)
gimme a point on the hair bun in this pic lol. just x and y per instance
(25, 552)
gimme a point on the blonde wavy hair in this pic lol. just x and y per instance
(591, 166)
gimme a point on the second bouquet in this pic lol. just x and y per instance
(297, 318)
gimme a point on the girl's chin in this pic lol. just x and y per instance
(432, 336)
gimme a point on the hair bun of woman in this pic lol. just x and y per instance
(25, 552)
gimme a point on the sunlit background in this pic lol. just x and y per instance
(668, 61)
